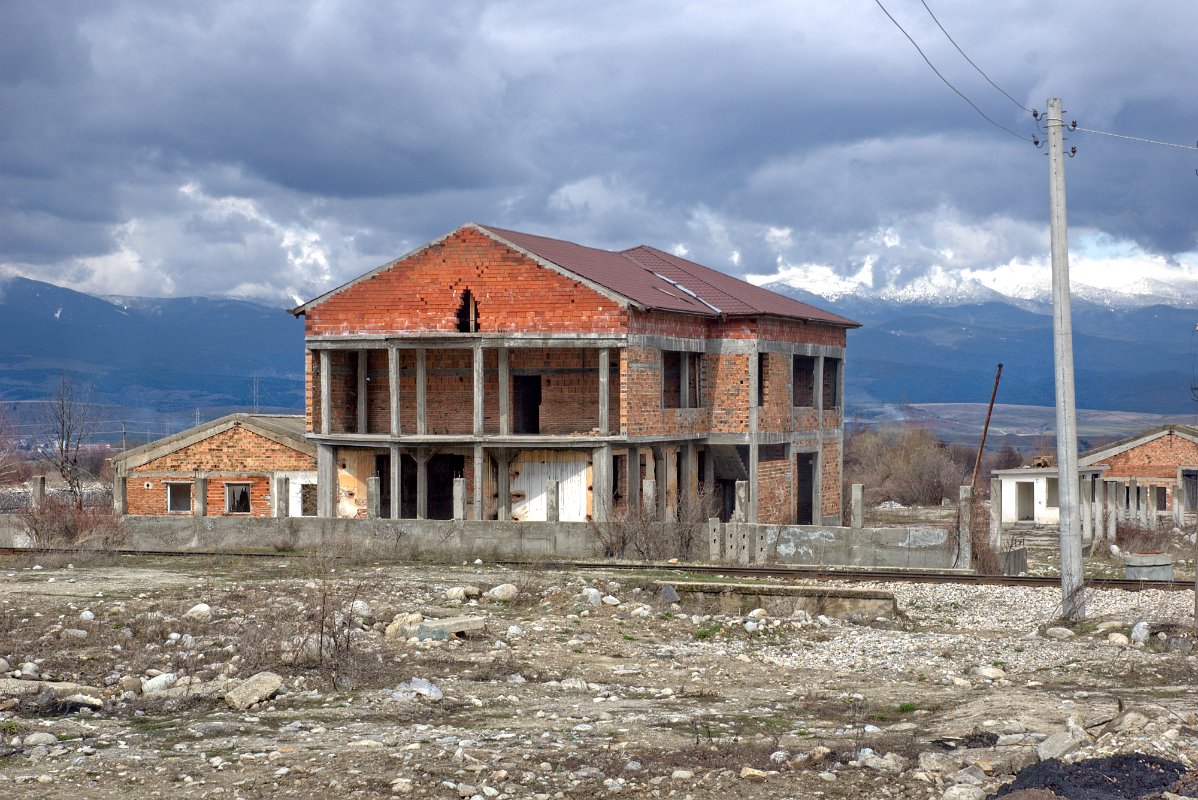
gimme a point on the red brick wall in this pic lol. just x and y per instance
(424, 291)
(775, 505)
(727, 381)
(233, 450)
(831, 479)
(1157, 459)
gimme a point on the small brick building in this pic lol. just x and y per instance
(240, 465)
(1158, 460)
(511, 359)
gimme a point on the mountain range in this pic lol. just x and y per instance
(156, 364)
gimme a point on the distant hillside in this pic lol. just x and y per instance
(1129, 358)
(153, 362)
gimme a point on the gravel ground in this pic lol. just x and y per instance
(552, 696)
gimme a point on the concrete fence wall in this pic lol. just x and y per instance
(917, 548)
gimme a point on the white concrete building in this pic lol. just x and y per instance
(1029, 494)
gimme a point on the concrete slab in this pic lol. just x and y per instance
(741, 598)
(443, 629)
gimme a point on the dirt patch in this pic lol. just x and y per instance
(1130, 776)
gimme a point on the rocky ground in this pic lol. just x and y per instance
(306, 677)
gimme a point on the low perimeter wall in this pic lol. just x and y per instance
(732, 542)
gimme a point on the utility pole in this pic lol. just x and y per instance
(1073, 597)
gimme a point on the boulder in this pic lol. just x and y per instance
(504, 591)
(200, 612)
(259, 687)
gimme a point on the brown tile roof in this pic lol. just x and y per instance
(665, 282)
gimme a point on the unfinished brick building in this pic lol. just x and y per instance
(511, 360)
(1161, 464)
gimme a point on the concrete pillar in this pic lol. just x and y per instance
(393, 388)
(1146, 511)
(363, 411)
(964, 529)
(857, 506)
(281, 496)
(740, 511)
(601, 484)
(662, 482)
(326, 481)
(1087, 514)
(1179, 499)
(459, 498)
(1112, 508)
(421, 393)
(649, 498)
(374, 497)
(1133, 502)
(996, 515)
(422, 484)
(120, 496)
(605, 391)
(396, 482)
(671, 484)
(715, 540)
(690, 487)
(754, 427)
(503, 482)
(505, 392)
(326, 389)
(479, 466)
(199, 500)
(632, 480)
(552, 502)
(479, 383)
(39, 491)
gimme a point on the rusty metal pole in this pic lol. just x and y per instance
(985, 429)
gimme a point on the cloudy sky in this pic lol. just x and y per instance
(274, 149)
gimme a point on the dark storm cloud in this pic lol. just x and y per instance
(274, 149)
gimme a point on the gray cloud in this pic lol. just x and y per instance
(274, 149)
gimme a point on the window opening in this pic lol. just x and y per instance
(803, 382)
(468, 314)
(526, 403)
(762, 366)
(694, 380)
(831, 383)
(178, 498)
(671, 379)
(237, 498)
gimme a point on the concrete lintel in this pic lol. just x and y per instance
(453, 341)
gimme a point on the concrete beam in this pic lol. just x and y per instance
(396, 482)
(326, 481)
(363, 410)
(421, 393)
(326, 389)
(505, 392)
(604, 391)
(393, 388)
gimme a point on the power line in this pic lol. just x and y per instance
(970, 60)
(959, 93)
(1134, 138)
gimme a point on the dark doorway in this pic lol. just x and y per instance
(526, 403)
(382, 471)
(407, 487)
(725, 498)
(805, 489)
(442, 469)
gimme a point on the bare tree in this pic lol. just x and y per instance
(10, 461)
(68, 421)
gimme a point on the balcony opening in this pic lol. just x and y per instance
(468, 314)
(526, 403)
(803, 381)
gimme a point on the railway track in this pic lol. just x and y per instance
(797, 572)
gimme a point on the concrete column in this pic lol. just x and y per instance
(671, 483)
(552, 502)
(817, 503)
(1087, 513)
(1180, 501)
(601, 484)
(505, 392)
(632, 480)
(995, 515)
(281, 496)
(326, 481)
(326, 389)
(605, 391)
(374, 500)
(479, 383)
(120, 496)
(740, 511)
(662, 482)
(39, 491)
(422, 457)
(754, 426)
(459, 498)
(199, 500)
(393, 388)
(1146, 505)
(649, 498)
(479, 465)
(857, 506)
(715, 540)
(1112, 508)
(421, 393)
(363, 412)
(503, 482)
(1133, 501)
(396, 482)
(964, 529)
(690, 487)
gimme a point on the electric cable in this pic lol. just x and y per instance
(959, 93)
(1134, 138)
(970, 60)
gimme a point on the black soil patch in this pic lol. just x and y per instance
(1130, 776)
